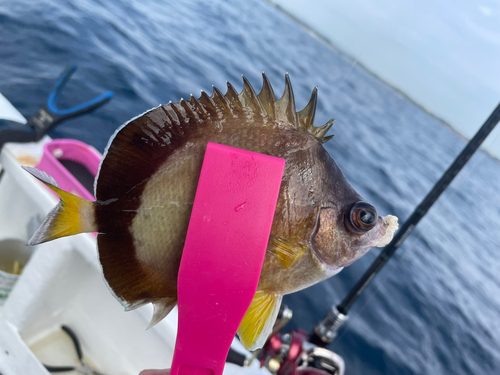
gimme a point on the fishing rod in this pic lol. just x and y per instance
(292, 353)
(325, 331)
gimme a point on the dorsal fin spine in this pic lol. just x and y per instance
(176, 130)
(199, 108)
(306, 116)
(250, 98)
(320, 131)
(182, 121)
(174, 115)
(327, 138)
(267, 97)
(285, 106)
(167, 113)
(220, 100)
(180, 116)
(232, 95)
(189, 111)
(208, 104)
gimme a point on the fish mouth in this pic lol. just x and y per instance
(388, 225)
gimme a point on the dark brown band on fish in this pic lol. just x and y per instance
(117, 255)
(129, 282)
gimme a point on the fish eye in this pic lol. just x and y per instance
(361, 217)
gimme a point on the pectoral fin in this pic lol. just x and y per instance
(288, 253)
(259, 319)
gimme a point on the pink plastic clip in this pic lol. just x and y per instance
(223, 254)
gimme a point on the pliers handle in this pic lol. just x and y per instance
(84, 368)
(49, 115)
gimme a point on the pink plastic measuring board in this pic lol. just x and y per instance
(223, 254)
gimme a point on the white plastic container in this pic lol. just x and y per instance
(14, 254)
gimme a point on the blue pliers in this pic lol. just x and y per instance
(49, 115)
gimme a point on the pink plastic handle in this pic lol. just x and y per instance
(223, 254)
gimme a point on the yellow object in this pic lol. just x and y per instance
(71, 216)
(287, 252)
(16, 269)
(258, 321)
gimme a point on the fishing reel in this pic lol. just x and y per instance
(292, 353)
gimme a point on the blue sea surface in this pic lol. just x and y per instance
(435, 308)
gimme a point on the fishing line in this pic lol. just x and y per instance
(345, 77)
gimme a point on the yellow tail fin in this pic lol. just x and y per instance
(258, 322)
(72, 215)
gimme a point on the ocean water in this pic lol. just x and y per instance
(434, 309)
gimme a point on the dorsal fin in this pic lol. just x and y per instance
(208, 104)
(220, 100)
(306, 116)
(232, 95)
(285, 107)
(146, 141)
(320, 131)
(267, 98)
(250, 98)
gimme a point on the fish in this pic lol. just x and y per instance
(146, 186)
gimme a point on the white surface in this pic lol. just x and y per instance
(9, 112)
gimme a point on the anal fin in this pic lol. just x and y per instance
(132, 306)
(285, 251)
(162, 308)
(258, 322)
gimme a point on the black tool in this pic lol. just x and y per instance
(84, 368)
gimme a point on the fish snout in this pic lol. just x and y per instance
(387, 226)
